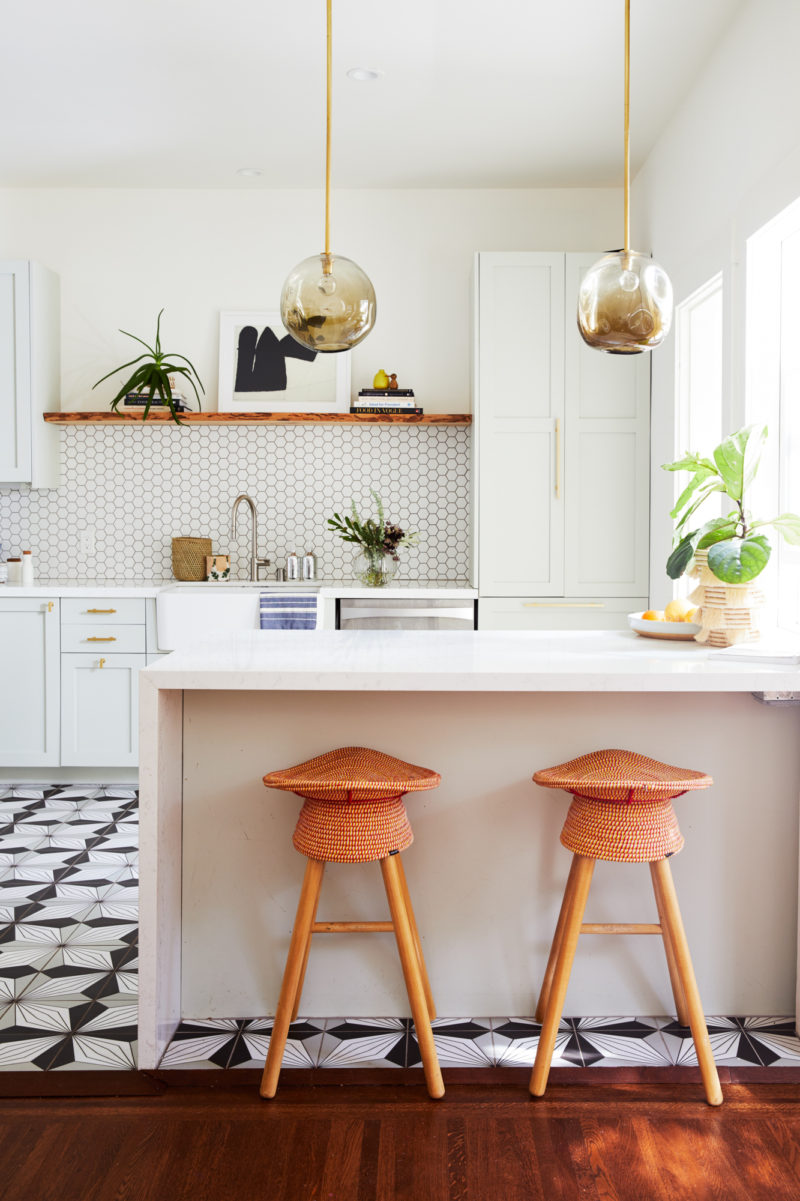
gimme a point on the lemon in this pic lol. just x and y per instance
(678, 610)
(652, 615)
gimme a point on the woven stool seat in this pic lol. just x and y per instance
(621, 776)
(353, 773)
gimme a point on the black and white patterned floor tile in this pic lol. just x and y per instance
(68, 974)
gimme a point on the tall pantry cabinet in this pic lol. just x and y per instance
(561, 454)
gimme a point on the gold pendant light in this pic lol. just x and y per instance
(327, 302)
(625, 299)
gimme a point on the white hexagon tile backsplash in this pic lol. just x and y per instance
(136, 489)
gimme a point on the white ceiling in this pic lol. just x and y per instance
(181, 93)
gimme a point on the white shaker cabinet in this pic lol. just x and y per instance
(29, 695)
(100, 709)
(560, 452)
(29, 374)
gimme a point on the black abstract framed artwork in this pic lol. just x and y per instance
(263, 370)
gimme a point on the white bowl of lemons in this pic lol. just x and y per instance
(676, 622)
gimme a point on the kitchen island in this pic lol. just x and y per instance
(219, 876)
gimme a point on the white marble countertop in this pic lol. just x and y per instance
(453, 661)
(81, 588)
(326, 588)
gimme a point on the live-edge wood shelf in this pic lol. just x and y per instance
(78, 418)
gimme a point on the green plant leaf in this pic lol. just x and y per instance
(713, 531)
(690, 462)
(737, 561)
(788, 525)
(681, 556)
(116, 369)
(699, 499)
(737, 458)
(171, 355)
(700, 476)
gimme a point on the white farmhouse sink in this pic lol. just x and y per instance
(188, 613)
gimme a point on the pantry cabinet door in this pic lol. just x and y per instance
(29, 654)
(100, 710)
(607, 462)
(15, 379)
(519, 377)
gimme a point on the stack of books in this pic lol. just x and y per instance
(399, 401)
(138, 400)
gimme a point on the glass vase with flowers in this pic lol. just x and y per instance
(378, 541)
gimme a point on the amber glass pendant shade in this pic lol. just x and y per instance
(625, 299)
(328, 303)
(625, 303)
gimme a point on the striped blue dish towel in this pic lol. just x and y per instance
(280, 611)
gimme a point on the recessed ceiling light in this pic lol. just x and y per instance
(249, 171)
(364, 74)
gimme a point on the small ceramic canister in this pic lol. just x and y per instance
(218, 567)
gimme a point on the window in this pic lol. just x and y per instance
(698, 373)
(773, 386)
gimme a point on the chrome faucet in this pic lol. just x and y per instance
(255, 562)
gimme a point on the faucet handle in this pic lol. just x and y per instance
(259, 563)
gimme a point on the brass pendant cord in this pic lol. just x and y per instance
(627, 124)
(328, 142)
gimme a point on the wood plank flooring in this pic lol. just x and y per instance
(215, 1140)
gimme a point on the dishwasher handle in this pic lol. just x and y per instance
(464, 613)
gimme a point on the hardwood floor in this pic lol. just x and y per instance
(175, 1137)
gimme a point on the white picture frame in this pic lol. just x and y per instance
(293, 383)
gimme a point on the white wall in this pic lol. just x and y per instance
(727, 163)
(122, 255)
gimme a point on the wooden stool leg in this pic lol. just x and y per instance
(306, 953)
(412, 921)
(697, 1022)
(412, 975)
(674, 977)
(547, 982)
(573, 919)
(301, 933)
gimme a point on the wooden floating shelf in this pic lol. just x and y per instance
(127, 418)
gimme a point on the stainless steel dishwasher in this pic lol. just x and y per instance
(396, 613)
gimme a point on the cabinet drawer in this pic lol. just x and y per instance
(87, 610)
(562, 613)
(103, 638)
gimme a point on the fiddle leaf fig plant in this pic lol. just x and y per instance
(736, 552)
(152, 377)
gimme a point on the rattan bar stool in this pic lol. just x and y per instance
(354, 813)
(621, 811)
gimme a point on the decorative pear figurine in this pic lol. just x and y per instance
(381, 380)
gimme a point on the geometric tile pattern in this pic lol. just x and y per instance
(68, 975)
(68, 928)
(137, 488)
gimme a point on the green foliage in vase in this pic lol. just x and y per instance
(151, 377)
(372, 535)
(736, 553)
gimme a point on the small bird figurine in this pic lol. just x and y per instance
(381, 380)
(392, 383)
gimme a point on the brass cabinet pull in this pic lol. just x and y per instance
(102, 662)
(101, 610)
(50, 606)
(563, 605)
(100, 640)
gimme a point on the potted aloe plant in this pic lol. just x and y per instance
(736, 547)
(151, 379)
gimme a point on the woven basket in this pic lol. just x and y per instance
(189, 558)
